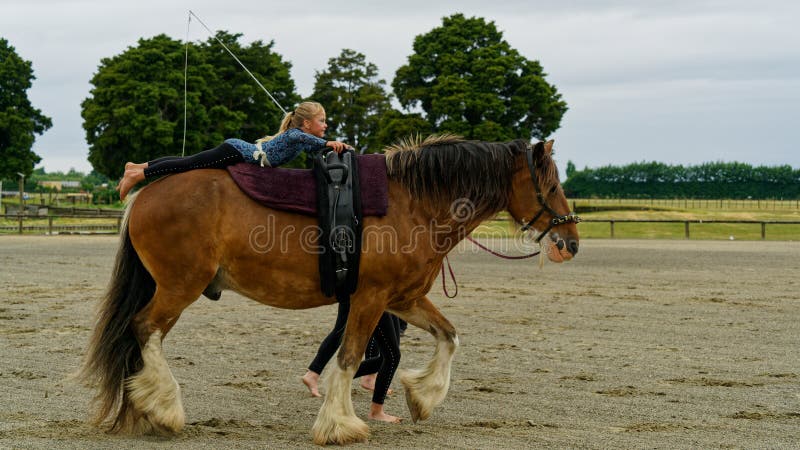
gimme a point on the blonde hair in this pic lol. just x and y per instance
(304, 111)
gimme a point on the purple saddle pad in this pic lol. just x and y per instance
(294, 190)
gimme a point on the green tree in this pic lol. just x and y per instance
(20, 122)
(468, 80)
(135, 109)
(396, 125)
(234, 94)
(570, 168)
(95, 179)
(354, 98)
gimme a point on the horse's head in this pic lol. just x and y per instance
(538, 203)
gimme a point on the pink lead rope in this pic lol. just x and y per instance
(482, 247)
(452, 276)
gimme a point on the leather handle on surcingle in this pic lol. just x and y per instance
(322, 159)
(344, 169)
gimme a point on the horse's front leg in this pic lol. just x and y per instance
(337, 422)
(426, 388)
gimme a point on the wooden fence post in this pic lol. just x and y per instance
(763, 230)
(50, 226)
(612, 229)
(686, 229)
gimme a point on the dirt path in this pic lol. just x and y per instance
(634, 344)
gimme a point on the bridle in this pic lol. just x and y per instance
(557, 219)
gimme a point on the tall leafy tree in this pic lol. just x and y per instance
(234, 92)
(20, 122)
(354, 98)
(396, 125)
(469, 80)
(135, 109)
(570, 168)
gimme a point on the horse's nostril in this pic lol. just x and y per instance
(560, 244)
(573, 247)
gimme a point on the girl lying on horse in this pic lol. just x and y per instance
(301, 130)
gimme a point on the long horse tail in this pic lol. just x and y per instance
(114, 353)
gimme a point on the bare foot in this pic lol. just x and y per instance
(376, 413)
(128, 181)
(368, 383)
(311, 380)
(130, 166)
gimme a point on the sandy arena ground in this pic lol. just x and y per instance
(634, 344)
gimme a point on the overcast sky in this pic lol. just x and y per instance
(680, 82)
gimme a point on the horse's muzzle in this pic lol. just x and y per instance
(571, 244)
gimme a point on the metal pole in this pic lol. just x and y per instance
(21, 199)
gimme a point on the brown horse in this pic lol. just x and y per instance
(188, 231)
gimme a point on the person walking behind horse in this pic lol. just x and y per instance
(382, 361)
(300, 130)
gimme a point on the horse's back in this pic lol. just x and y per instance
(199, 224)
(178, 205)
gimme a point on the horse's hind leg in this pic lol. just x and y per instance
(426, 388)
(153, 393)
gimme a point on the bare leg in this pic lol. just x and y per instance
(376, 413)
(311, 380)
(426, 388)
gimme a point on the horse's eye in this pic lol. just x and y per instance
(553, 189)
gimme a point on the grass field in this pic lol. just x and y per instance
(707, 211)
(596, 223)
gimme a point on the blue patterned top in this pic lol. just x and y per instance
(282, 149)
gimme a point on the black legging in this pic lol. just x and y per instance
(216, 158)
(383, 360)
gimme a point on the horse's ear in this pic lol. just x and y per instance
(548, 147)
(538, 148)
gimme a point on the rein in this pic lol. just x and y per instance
(482, 247)
(500, 255)
(452, 276)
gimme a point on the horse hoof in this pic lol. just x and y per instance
(413, 407)
(212, 295)
(349, 430)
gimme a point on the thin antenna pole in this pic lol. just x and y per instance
(185, 82)
(240, 63)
